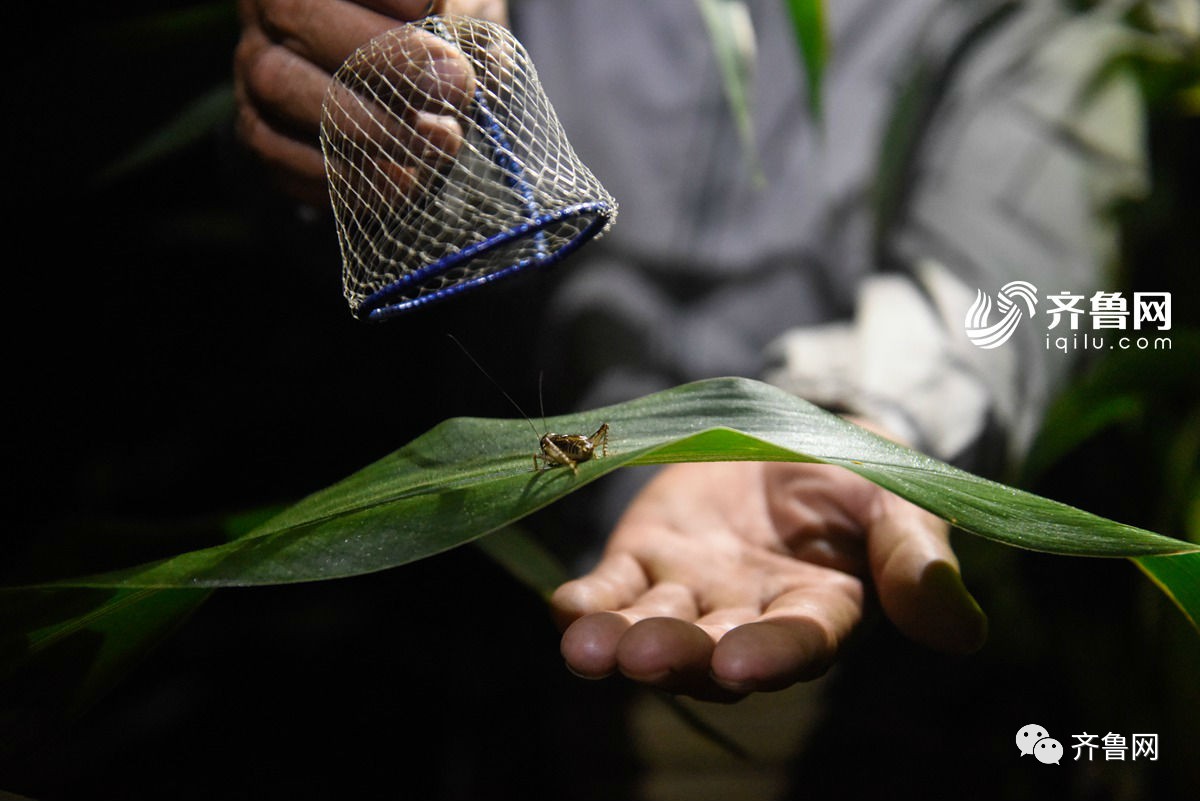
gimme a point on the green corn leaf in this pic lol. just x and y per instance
(60, 649)
(63, 642)
(525, 559)
(732, 35)
(469, 476)
(812, 36)
(194, 122)
(63, 647)
(1179, 577)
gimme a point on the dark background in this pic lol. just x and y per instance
(180, 350)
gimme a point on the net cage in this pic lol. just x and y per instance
(447, 167)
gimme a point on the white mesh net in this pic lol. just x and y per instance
(447, 167)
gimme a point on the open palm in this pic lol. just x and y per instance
(726, 578)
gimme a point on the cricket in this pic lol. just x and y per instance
(557, 450)
(570, 449)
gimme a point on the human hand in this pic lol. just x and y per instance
(288, 51)
(722, 579)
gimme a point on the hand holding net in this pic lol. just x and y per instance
(447, 167)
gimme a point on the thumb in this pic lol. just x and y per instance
(917, 578)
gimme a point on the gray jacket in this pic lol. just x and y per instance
(798, 278)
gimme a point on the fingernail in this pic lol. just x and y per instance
(585, 676)
(742, 686)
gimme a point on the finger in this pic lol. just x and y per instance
(296, 164)
(324, 32)
(720, 621)
(615, 583)
(493, 10)
(666, 599)
(795, 639)
(386, 148)
(672, 655)
(407, 136)
(665, 653)
(917, 577)
(414, 70)
(589, 645)
(406, 10)
(401, 101)
(380, 177)
(281, 84)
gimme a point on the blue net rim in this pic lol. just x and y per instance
(378, 306)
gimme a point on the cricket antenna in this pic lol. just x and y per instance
(496, 384)
(541, 403)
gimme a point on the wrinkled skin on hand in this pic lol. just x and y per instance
(728, 578)
(283, 64)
